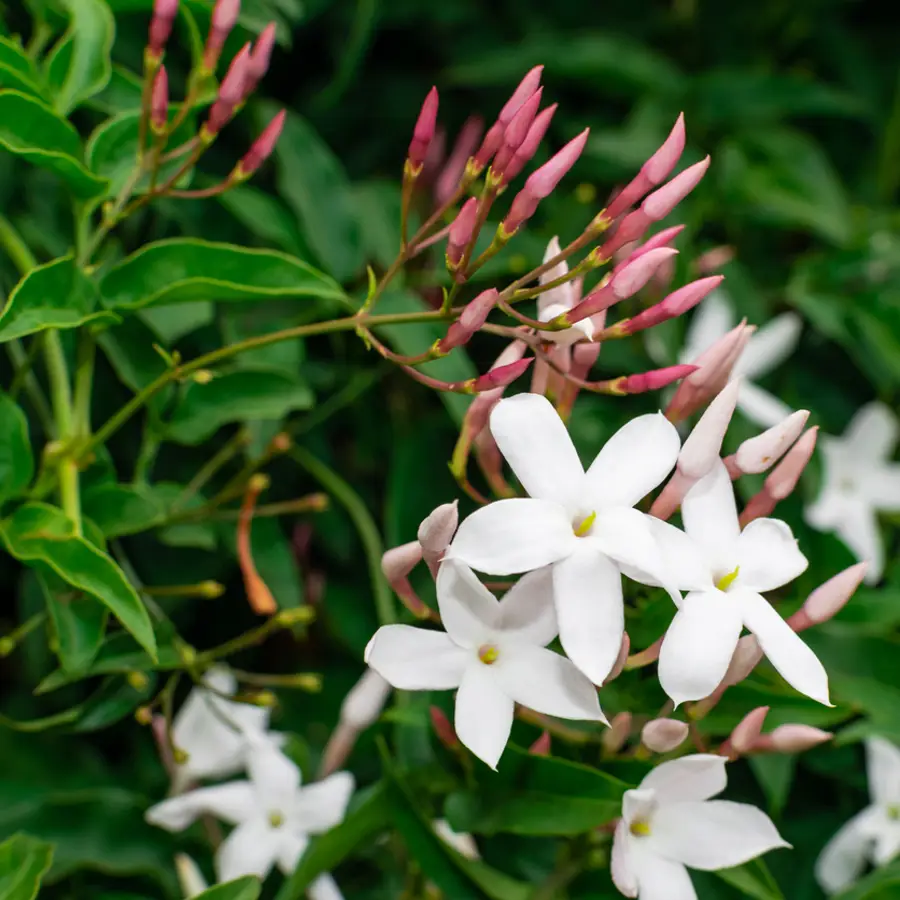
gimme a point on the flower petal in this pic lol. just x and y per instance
(414, 659)
(796, 663)
(844, 857)
(887, 843)
(858, 529)
(526, 610)
(768, 555)
(275, 778)
(324, 888)
(711, 320)
(760, 406)
(249, 850)
(587, 589)
(621, 864)
(770, 346)
(546, 682)
(289, 847)
(233, 802)
(659, 878)
(534, 441)
(696, 777)
(468, 609)
(322, 804)
(512, 536)
(681, 559)
(872, 433)
(710, 517)
(632, 462)
(713, 834)
(484, 714)
(881, 487)
(883, 770)
(698, 646)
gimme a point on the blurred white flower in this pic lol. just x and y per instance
(859, 482)
(493, 651)
(581, 522)
(560, 299)
(727, 571)
(872, 835)
(669, 824)
(462, 842)
(273, 815)
(770, 346)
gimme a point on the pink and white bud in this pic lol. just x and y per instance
(653, 171)
(529, 146)
(621, 659)
(747, 656)
(516, 132)
(829, 598)
(461, 232)
(261, 149)
(747, 732)
(260, 57)
(786, 474)
(797, 738)
(231, 92)
(365, 700)
(703, 445)
(758, 453)
(436, 532)
(224, 18)
(423, 132)
(541, 747)
(663, 735)
(443, 729)
(396, 564)
(159, 101)
(650, 381)
(615, 737)
(447, 182)
(676, 304)
(630, 252)
(473, 316)
(502, 376)
(164, 12)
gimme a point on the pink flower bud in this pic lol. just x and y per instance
(443, 729)
(529, 146)
(423, 133)
(746, 657)
(231, 92)
(746, 733)
(541, 747)
(224, 17)
(797, 738)
(663, 200)
(502, 376)
(676, 304)
(261, 149)
(436, 532)
(621, 659)
(653, 171)
(703, 445)
(786, 474)
(461, 232)
(757, 454)
(260, 57)
(527, 86)
(516, 132)
(164, 12)
(650, 381)
(466, 142)
(470, 321)
(614, 738)
(829, 598)
(663, 735)
(363, 704)
(159, 101)
(660, 239)
(396, 564)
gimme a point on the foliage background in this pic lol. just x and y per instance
(799, 106)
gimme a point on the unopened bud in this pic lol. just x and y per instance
(260, 56)
(258, 482)
(7, 645)
(828, 599)
(143, 715)
(472, 318)
(676, 304)
(542, 746)
(797, 738)
(231, 93)
(423, 132)
(461, 232)
(224, 17)
(202, 376)
(281, 443)
(615, 737)
(159, 101)
(262, 698)
(703, 445)
(436, 532)
(398, 562)
(164, 12)
(179, 756)
(137, 680)
(663, 735)
(529, 146)
(757, 454)
(650, 381)
(746, 733)
(786, 474)
(261, 149)
(210, 590)
(296, 615)
(515, 134)
(364, 702)
(621, 659)
(502, 376)
(746, 656)
(445, 732)
(190, 878)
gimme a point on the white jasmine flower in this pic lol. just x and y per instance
(770, 346)
(462, 842)
(558, 300)
(727, 571)
(273, 815)
(494, 652)
(212, 731)
(859, 481)
(581, 522)
(872, 835)
(669, 825)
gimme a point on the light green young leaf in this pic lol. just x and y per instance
(23, 862)
(119, 509)
(16, 461)
(31, 129)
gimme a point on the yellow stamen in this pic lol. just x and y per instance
(585, 525)
(640, 828)
(276, 819)
(726, 581)
(893, 812)
(488, 654)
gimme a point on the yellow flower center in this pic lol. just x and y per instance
(893, 812)
(488, 654)
(585, 525)
(276, 819)
(726, 581)
(640, 828)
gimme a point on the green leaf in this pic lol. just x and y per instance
(111, 702)
(37, 532)
(882, 884)
(122, 94)
(265, 216)
(16, 461)
(752, 879)
(182, 270)
(55, 295)
(313, 183)
(23, 862)
(246, 888)
(17, 70)
(32, 130)
(79, 66)
(236, 396)
(119, 509)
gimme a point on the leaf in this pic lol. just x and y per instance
(111, 702)
(16, 461)
(881, 884)
(23, 862)
(246, 888)
(182, 270)
(313, 183)
(55, 295)
(122, 94)
(752, 879)
(235, 396)
(31, 129)
(265, 216)
(79, 66)
(42, 533)
(119, 509)
(17, 70)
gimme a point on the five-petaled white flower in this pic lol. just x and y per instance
(581, 522)
(213, 731)
(669, 824)
(273, 814)
(872, 835)
(859, 481)
(493, 651)
(726, 571)
(770, 346)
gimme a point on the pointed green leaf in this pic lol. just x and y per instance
(37, 532)
(32, 130)
(119, 509)
(752, 879)
(23, 862)
(55, 295)
(246, 888)
(16, 461)
(182, 270)
(17, 70)
(882, 884)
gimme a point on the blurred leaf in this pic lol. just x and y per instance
(122, 94)
(16, 461)
(37, 532)
(775, 774)
(752, 879)
(246, 888)
(182, 270)
(17, 70)
(111, 702)
(313, 183)
(882, 884)
(32, 130)
(122, 509)
(23, 862)
(264, 216)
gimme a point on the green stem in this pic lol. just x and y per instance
(222, 456)
(23, 361)
(84, 379)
